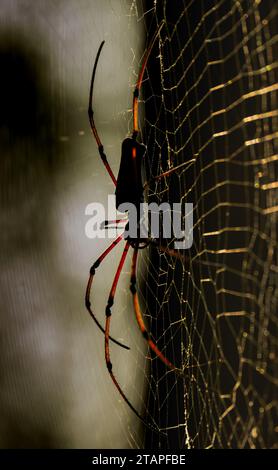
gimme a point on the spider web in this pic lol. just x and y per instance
(210, 110)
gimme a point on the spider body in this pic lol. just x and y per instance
(129, 188)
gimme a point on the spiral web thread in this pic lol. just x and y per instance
(212, 309)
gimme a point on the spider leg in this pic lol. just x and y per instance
(107, 224)
(92, 122)
(167, 173)
(139, 82)
(139, 316)
(179, 254)
(107, 338)
(89, 286)
(171, 251)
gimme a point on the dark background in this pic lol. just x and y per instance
(212, 309)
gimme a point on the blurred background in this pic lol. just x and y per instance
(55, 390)
(208, 112)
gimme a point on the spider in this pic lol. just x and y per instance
(130, 170)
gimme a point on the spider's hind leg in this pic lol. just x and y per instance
(110, 304)
(89, 287)
(107, 338)
(140, 320)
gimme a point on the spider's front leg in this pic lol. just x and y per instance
(92, 122)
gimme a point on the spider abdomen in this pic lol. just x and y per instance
(129, 187)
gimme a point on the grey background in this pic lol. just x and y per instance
(55, 390)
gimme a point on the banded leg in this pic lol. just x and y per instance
(108, 224)
(139, 82)
(89, 286)
(167, 173)
(139, 316)
(92, 122)
(107, 338)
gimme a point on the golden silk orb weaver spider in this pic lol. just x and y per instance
(130, 168)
